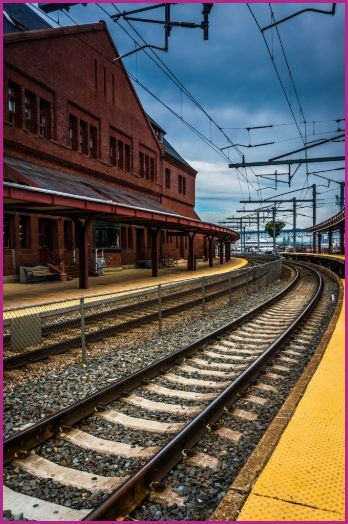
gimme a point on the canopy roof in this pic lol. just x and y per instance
(331, 223)
(32, 188)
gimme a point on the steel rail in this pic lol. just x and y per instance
(56, 348)
(126, 498)
(51, 425)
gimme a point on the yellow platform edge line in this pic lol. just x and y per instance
(304, 478)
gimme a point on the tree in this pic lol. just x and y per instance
(279, 225)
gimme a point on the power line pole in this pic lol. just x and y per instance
(258, 230)
(314, 198)
(274, 231)
(294, 223)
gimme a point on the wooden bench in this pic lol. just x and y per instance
(39, 273)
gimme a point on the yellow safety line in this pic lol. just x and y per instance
(304, 478)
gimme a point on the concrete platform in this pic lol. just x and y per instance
(17, 294)
(303, 479)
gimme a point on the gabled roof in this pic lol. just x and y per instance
(154, 124)
(169, 149)
(19, 18)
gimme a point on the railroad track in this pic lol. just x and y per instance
(64, 335)
(93, 461)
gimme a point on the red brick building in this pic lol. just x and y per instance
(74, 125)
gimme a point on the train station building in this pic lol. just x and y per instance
(89, 178)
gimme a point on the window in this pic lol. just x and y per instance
(113, 151)
(120, 162)
(8, 231)
(107, 235)
(45, 125)
(24, 231)
(141, 164)
(183, 185)
(14, 104)
(180, 184)
(167, 178)
(152, 169)
(93, 141)
(127, 157)
(73, 132)
(83, 137)
(29, 110)
(46, 234)
(147, 167)
(130, 238)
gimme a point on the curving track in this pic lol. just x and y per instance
(170, 404)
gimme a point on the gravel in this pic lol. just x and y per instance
(201, 488)
(42, 388)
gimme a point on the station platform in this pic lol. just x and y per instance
(303, 479)
(16, 294)
(334, 262)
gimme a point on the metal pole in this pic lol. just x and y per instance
(274, 232)
(294, 223)
(258, 230)
(159, 309)
(83, 332)
(314, 187)
(342, 185)
(241, 235)
(203, 295)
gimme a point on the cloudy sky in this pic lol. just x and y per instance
(232, 77)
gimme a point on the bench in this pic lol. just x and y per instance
(169, 262)
(36, 273)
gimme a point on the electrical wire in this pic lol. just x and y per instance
(277, 72)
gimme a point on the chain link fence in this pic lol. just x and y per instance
(33, 333)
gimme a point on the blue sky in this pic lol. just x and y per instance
(232, 77)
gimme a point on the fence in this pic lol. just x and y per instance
(32, 333)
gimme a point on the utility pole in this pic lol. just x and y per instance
(342, 185)
(314, 198)
(274, 231)
(294, 223)
(258, 230)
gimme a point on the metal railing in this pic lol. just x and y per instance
(34, 332)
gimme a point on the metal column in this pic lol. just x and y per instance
(314, 216)
(330, 241)
(294, 223)
(258, 230)
(274, 235)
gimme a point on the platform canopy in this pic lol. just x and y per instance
(31, 188)
(334, 222)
